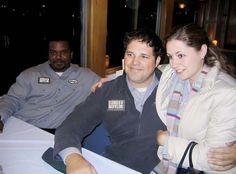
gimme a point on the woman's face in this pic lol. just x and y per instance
(185, 60)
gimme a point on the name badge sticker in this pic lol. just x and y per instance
(44, 80)
(116, 105)
(73, 81)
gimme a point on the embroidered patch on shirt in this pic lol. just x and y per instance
(73, 81)
(116, 105)
(44, 80)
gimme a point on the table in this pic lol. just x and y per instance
(22, 145)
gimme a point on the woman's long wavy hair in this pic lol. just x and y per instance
(195, 36)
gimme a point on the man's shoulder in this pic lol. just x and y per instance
(84, 71)
(118, 81)
(115, 84)
(81, 69)
(33, 69)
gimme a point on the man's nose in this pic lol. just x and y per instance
(58, 55)
(135, 59)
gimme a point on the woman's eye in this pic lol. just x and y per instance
(180, 56)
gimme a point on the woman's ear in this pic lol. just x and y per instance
(203, 51)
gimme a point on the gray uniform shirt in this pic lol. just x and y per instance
(43, 98)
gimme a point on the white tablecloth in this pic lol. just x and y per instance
(22, 145)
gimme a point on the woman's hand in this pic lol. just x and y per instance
(98, 84)
(161, 137)
(222, 158)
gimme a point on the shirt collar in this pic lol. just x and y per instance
(151, 86)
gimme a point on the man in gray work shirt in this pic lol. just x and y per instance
(44, 95)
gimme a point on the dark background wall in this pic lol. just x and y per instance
(25, 27)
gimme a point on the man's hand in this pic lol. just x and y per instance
(1, 126)
(98, 84)
(76, 164)
(222, 158)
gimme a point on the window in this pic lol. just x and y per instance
(25, 25)
(123, 16)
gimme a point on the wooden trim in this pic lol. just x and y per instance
(113, 70)
(96, 35)
(167, 8)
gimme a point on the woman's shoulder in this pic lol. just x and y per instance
(226, 79)
(166, 75)
(225, 84)
(224, 88)
(163, 67)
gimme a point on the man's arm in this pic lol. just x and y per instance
(223, 158)
(75, 162)
(12, 101)
(77, 125)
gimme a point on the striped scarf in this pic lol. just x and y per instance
(178, 99)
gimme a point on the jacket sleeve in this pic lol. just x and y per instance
(16, 96)
(85, 117)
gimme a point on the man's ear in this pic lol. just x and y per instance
(71, 55)
(158, 60)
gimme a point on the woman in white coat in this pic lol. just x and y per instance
(196, 99)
